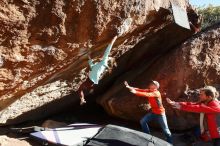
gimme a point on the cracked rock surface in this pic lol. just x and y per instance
(44, 47)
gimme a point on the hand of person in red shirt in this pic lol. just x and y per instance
(127, 86)
(174, 104)
(132, 90)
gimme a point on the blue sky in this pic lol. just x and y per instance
(204, 2)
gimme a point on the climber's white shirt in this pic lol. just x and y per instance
(96, 71)
(98, 68)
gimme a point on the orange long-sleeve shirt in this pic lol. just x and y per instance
(154, 98)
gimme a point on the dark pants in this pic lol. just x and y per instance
(216, 142)
(161, 119)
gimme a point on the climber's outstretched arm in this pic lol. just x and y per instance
(108, 49)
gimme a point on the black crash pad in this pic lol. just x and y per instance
(112, 135)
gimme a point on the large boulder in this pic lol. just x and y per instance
(44, 47)
(181, 72)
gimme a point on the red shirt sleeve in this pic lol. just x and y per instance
(199, 108)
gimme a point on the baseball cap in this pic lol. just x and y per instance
(156, 83)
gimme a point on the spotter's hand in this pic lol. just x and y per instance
(132, 90)
(174, 104)
(126, 84)
(170, 101)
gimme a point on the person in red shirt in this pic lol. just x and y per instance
(209, 109)
(157, 110)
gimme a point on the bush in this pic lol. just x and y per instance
(210, 15)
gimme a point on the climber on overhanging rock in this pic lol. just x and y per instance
(98, 68)
(209, 109)
(157, 113)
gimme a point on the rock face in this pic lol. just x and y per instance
(6, 141)
(180, 72)
(44, 47)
